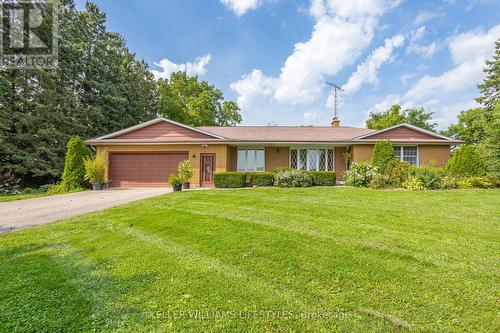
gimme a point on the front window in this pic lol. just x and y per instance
(250, 159)
(312, 159)
(407, 153)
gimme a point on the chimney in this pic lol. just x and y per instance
(335, 122)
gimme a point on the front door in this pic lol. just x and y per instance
(207, 169)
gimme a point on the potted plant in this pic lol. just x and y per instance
(95, 172)
(176, 182)
(185, 173)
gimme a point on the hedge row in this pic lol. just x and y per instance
(240, 179)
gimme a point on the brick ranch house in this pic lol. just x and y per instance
(146, 154)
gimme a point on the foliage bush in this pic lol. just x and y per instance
(360, 174)
(282, 169)
(57, 188)
(413, 184)
(230, 179)
(484, 182)
(464, 183)
(430, 177)
(74, 169)
(44, 188)
(184, 170)
(95, 169)
(9, 184)
(401, 172)
(323, 178)
(293, 178)
(174, 180)
(383, 156)
(381, 180)
(28, 190)
(466, 162)
(261, 178)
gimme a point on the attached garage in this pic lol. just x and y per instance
(143, 169)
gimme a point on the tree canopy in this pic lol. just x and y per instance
(395, 116)
(480, 126)
(185, 99)
(98, 87)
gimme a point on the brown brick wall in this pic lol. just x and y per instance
(434, 155)
(277, 157)
(362, 152)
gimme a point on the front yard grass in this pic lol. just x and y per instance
(13, 197)
(315, 259)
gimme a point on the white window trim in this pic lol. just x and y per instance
(401, 152)
(313, 148)
(247, 149)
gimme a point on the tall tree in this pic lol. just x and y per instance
(98, 87)
(481, 126)
(395, 116)
(185, 99)
(490, 88)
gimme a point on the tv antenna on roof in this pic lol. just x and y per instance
(336, 90)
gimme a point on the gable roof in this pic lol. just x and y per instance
(156, 121)
(428, 133)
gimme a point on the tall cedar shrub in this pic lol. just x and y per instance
(466, 162)
(383, 156)
(74, 167)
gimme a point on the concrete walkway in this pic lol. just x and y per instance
(20, 214)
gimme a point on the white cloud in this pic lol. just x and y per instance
(240, 7)
(253, 87)
(367, 72)
(342, 30)
(418, 34)
(309, 117)
(426, 51)
(425, 16)
(455, 89)
(198, 67)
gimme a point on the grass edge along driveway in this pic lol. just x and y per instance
(315, 259)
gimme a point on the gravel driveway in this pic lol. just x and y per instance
(27, 213)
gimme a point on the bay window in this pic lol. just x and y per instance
(312, 159)
(250, 159)
(407, 153)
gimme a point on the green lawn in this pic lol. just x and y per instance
(4, 198)
(317, 259)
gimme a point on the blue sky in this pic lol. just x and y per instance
(271, 56)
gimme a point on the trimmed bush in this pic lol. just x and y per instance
(466, 162)
(323, 178)
(383, 156)
(261, 178)
(485, 182)
(230, 179)
(74, 169)
(359, 175)
(293, 178)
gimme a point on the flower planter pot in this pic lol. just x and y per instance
(185, 185)
(98, 187)
(177, 188)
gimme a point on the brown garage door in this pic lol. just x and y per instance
(143, 170)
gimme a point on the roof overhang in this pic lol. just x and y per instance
(152, 122)
(413, 127)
